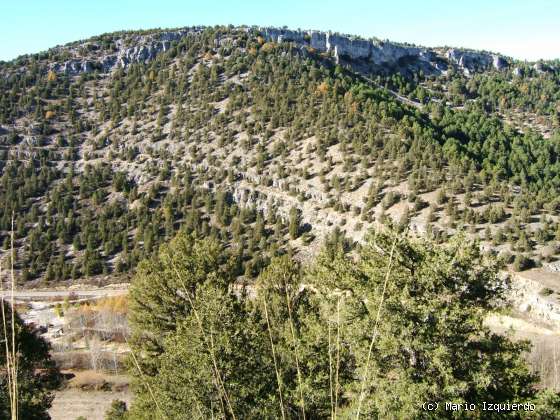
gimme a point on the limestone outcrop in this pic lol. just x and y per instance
(129, 50)
(526, 296)
(369, 55)
(349, 48)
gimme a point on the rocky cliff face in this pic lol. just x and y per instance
(363, 54)
(525, 294)
(134, 49)
(378, 53)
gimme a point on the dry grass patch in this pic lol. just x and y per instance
(89, 380)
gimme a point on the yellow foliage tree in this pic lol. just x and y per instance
(323, 88)
(267, 47)
(114, 304)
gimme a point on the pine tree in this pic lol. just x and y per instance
(37, 375)
(297, 335)
(161, 296)
(403, 348)
(199, 346)
(117, 411)
(294, 223)
(213, 365)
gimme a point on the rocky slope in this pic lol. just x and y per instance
(372, 55)
(109, 145)
(386, 55)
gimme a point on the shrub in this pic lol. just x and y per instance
(117, 411)
(522, 263)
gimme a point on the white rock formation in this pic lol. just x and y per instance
(366, 54)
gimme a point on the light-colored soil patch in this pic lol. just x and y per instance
(544, 277)
(520, 328)
(72, 403)
(544, 357)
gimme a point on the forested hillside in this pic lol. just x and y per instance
(108, 146)
(313, 225)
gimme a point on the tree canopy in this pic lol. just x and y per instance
(373, 333)
(37, 375)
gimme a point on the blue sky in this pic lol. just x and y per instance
(525, 29)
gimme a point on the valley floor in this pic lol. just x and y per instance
(72, 403)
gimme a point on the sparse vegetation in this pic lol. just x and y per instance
(117, 163)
